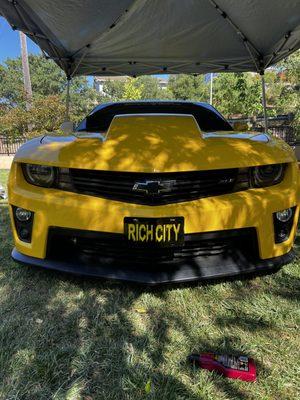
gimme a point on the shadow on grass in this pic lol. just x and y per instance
(63, 336)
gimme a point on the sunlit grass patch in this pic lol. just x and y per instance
(3, 176)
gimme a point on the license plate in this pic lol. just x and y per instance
(158, 232)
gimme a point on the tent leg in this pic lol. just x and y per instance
(264, 102)
(68, 99)
(211, 89)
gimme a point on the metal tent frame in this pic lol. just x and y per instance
(90, 54)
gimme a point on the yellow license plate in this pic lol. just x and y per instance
(162, 232)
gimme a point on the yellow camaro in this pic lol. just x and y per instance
(155, 192)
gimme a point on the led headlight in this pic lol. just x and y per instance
(267, 175)
(39, 175)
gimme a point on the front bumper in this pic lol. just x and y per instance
(251, 209)
(152, 274)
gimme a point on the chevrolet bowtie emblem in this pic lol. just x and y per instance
(153, 188)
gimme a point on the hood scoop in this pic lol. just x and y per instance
(154, 128)
(152, 142)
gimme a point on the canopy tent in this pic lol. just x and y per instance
(134, 37)
(137, 37)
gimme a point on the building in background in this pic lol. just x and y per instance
(99, 81)
(162, 81)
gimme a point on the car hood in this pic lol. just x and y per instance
(156, 143)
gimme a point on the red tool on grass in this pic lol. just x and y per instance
(235, 367)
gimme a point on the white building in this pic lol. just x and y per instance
(99, 81)
(162, 82)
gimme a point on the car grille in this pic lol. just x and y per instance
(153, 188)
(93, 247)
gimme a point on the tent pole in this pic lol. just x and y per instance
(211, 88)
(264, 102)
(68, 99)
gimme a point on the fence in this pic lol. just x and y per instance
(9, 146)
(279, 126)
(285, 132)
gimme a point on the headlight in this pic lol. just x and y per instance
(39, 175)
(267, 175)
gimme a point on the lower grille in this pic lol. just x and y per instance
(92, 247)
(152, 188)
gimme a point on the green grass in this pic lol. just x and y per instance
(68, 338)
(3, 176)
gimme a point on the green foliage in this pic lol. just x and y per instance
(142, 87)
(14, 122)
(149, 87)
(114, 89)
(289, 100)
(45, 115)
(132, 91)
(47, 80)
(291, 69)
(237, 94)
(188, 87)
(233, 93)
(148, 387)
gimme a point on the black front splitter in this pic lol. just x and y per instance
(195, 269)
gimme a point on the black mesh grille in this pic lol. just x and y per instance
(153, 188)
(90, 247)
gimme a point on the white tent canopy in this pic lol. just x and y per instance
(135, 37)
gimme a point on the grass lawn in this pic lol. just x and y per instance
(3, 176)
(69, 338)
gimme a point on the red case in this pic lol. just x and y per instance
(234, 367)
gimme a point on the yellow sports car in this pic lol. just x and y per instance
(155, 192)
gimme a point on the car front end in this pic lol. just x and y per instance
(155, 200)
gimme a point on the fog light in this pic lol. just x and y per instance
(283, 223)
(284, 215)
(23, 215)
(24, 234)
(282, 235)
(23, 223)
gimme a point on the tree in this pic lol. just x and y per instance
(234, 93)
(47, 80)
(45, 115)
(114, 89)
(187, 87)
(291, 69)
(148, 86)
(238, 93)
(132, 91)
(142, 87)
(289, 99)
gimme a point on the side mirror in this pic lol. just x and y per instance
(240, 126)
(67, 127)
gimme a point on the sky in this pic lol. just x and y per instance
(10, 43)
